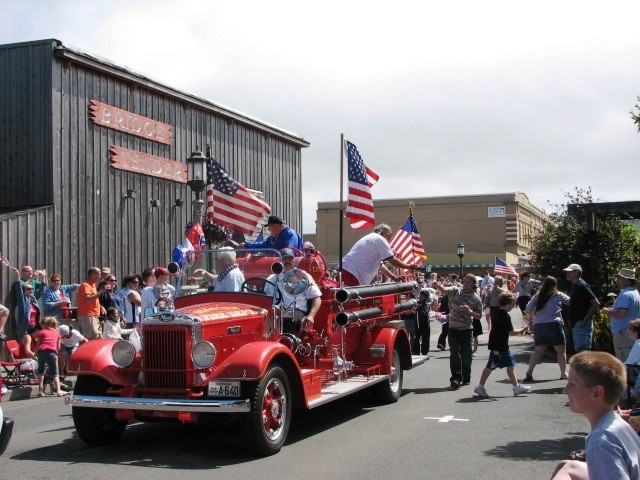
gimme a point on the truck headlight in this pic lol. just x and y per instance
(123, 353)
(203, 354)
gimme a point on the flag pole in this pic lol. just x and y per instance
(341, 208)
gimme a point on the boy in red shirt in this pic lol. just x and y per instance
(47, 347)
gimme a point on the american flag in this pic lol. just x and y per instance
(359, 200)
(231, 204)
(407, 244)
(503, 268)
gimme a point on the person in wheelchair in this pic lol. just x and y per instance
(299, 310)
(229, 278)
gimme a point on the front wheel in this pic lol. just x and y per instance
(95, 426)
(267, 425)
(389, 391)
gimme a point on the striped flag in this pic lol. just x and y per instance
(407, 244)
(231, 204)
(359, 200)
(503, 268)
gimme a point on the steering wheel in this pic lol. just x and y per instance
(256, 285)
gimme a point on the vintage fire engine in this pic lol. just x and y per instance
(228, 354)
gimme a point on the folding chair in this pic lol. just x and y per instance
(12, 375)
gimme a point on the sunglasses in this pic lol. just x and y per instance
(111, 279)
(28, 289)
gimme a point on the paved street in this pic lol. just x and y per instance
(503, 437)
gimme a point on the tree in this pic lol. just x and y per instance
(566, 239)
(636, 116)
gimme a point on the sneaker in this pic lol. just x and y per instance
(3, 336)
(455, 384)
(480, 391)
(60, 393)
(41, 393)
(441, 347)
(519, 389)
(527, 378)
(563, 376)
(474, 354)
(466, 382)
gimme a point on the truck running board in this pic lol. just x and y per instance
(418, 360)
(334, 390)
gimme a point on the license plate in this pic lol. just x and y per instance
(221, 388)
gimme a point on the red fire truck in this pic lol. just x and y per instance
(235, 354)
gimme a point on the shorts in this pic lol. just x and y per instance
(50, 358)
(89, 327)
(477, 327)
(551, 333)
(500, 360)
(68, 350)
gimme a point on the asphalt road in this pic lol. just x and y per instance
(503, 437)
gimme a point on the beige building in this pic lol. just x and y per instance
(492, 225)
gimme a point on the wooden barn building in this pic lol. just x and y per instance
(78, 133)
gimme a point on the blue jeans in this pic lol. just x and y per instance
(50, 358)
(582, 336)
(460, 345)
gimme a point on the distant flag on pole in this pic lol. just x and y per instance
(359, 200)
(407, 244)
(231, 204)
(503, 268)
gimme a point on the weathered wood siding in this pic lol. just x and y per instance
(25, 125)
(64, 161)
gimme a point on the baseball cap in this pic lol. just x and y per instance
(106, 270)
(64, 330)
(274, 219)
(287, 252)
(161, 271)
(574, 267)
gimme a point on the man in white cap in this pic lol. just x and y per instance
(581, 309)
(625, 309)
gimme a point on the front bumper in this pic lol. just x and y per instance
(159, 404)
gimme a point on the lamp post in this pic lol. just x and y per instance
(460, 255)
(197, 181)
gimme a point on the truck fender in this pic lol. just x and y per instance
(251, 361)
(94, 358)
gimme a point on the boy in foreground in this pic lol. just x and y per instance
(596, 382)
(500, 355)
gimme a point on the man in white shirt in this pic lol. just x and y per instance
(487, 280)
(229, 278)
(360, 266)
(299, 310)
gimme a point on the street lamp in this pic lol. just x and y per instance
(197, 181)
(460, 255)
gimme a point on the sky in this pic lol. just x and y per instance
(441, 98)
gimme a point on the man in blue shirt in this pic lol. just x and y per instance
(625, 309)
(281, 236)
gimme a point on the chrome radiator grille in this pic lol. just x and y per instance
(166, 349)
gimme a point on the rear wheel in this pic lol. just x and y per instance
(267, 425)
(95, 426)
(389, 391)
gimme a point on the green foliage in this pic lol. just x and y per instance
(602, 338)
(636, 117)
(601, 253)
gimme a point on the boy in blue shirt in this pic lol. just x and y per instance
(596, 382)
(500, 355)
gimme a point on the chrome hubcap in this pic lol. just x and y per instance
(274, 409)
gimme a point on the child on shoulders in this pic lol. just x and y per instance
(500, 355)
(594, 387)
